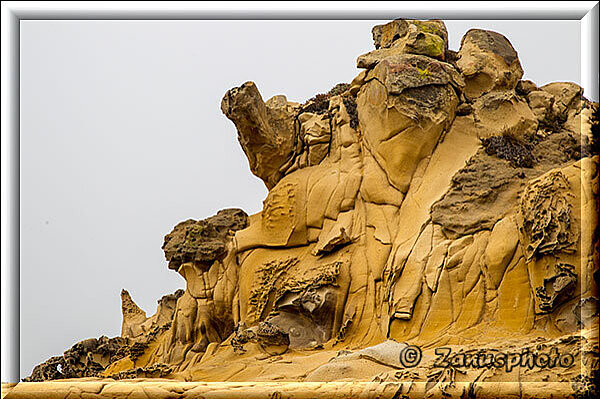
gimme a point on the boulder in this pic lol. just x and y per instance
(404, 36)
(488, 62)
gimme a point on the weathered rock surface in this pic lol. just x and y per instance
(436, 200)
(265, 130)
(135, 322)
(405, 105)
(488, 63)
(202, 241)
(404, 36)
(87, 358)
(503, 114)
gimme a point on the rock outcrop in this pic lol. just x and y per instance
(88, 358)
(265, 130)
(437, 200)
(404, 36)
(488, 63)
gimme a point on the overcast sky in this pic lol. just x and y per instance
(122, 137)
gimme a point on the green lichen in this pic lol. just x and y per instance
(433, 46)
(423, 73)
(428, 44)
(429, 27)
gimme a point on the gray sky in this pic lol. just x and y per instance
(122, 137)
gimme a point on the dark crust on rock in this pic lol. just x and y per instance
(493, 42)
(202, 241)
(474, 188)
(409, 71)
(472, 202)
(547, 219)
(158, 370)
(87, 358)
(428, 97)
(557, 288)
(171, 297)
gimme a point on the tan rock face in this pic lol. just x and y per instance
(488, 62)
(427, 202)
(135, 322)
(504, 114)
(265, 130)
(406, 104)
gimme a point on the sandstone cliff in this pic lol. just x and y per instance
(436, 200)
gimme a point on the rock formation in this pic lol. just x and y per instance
(437, 200)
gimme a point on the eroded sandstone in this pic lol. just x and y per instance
(436, 200)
